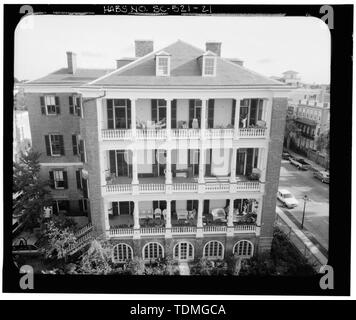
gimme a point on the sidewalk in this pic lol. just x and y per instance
(312, 163)
(307, 242)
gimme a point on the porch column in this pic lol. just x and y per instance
(200, 214)
(133, 117)
(169, 117)
(168, 217)
(230, 220)
(233, 165)
(203, 117)
(237, 118)
(106, 217)
(169, 166)
(202, 152)
(134, 167)
(268, 113)
(136, 215)
(259, 216)
(262, 154)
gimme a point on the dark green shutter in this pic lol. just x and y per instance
(112, 157)
(79, 182)
(174, 114)
(43, 108)
(82, 151)
(75, 144)
(233, 112)
(129, 121)
(85, 188)
(154, 110)
(110, 111)
(48, 147)
(51, 179)
(249, 160)
(211, 113)
(65, 180)
(191, 111)
(58, 109)
(61, 141)
(253, 110)
(79, 106)
(71, 108)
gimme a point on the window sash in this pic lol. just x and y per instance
(162, 66)
(58, 177)
(50, 103)
(209, 66)
(55, 144)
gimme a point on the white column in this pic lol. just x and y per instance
(136, 215)
(134, 167)
(169, 166)
(237, 118)
(233, 165)
(230, 219)
(133, 117)
(203, 117)
(169, 118)
(200, 214)
(106, 217)
(202, 152)
(259, 216)
(168, 217)
(268, 113)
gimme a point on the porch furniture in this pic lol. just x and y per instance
(182, 214)
(218, 214)
(191, 214)
(164, 214)
(195, 124)
(261, 123)
(184, 173)
(157, 213)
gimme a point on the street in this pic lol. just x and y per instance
(300, 183)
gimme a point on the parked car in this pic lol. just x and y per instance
(323, 176)
(286, 155)
(300, 163)
(287, 198)
(218, 214)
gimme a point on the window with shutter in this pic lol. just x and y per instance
(78, 106)
(48, 145)
(58, 108)
(56, 145)
(61, 141)
(110, 113)
(50, 104)
(75, 144)
(60, 180)
(78, 175)
(233, 112)
(71, 107)
(154, 110)
(51, 179)
(211, 113)
(43, 107)
(128, 113)
(82, 150)
(174, 114)
(191, 112)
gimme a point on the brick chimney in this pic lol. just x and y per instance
(213, 47)
(143, 47)
(72, 62)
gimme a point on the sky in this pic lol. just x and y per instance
(268, 45)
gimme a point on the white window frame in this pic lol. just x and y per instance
(60, 172)
(50, 145)
(239, 245)
(126, 251)
(159, 70)
(215, 257)
(205, 59)
(147, 246)
(49, 97)
(75, 106)
(114, 113)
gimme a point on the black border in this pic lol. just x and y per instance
(340, 202)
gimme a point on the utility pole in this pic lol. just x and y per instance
(305, 198)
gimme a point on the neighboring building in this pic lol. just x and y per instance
(313, 119)
(156, 151)
(291, 78)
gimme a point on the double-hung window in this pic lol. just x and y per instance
(50, 103)
(209, 66)
(58, 179)
(162, 67)
(55, 144)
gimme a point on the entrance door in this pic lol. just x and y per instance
(123, 168)
(183, 251)
(126, 207)
(244, 113)
(241, 162)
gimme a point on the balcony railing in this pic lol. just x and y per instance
(184, 230)
(215, 229)
(219, 133)
(244, 228)
(252, 132)
(183, 187)
(123, 232)
(152, 231)
(161, 134)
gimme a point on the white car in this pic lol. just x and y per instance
(287, 198)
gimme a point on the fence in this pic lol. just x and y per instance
(317, 260)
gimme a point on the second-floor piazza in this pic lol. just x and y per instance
(184, 118)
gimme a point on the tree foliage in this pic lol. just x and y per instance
(291, 131)
(34, 192)
(323, 142)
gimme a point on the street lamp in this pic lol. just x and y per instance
(305, 198)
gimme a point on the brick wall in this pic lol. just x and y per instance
(279, 110)
(89, 132)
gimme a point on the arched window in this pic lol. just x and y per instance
(183, 251)
(213, 250)
(243, 248)
(152, 250)
(122, 252)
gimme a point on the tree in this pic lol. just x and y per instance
(323, 142)
(32, 193)
(291, 132)
(59, 241)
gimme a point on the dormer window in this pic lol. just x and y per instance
(208, 64)
(163, 64)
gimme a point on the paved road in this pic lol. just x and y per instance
(300, 183)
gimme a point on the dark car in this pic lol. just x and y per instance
(286, 155)
(300, 163)
(323, 176)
